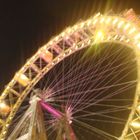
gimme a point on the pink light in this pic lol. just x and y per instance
(51, 110)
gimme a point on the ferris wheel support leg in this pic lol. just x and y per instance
(65, 131)
(31, 125)
(69, 132)
(37, 128)
(19, 126)
(59, 132)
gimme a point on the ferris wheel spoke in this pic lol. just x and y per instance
(52, 129)
(96, 130)
(116, 81)
(102, 113)
(83, 78)
(69, 88)
(104, 90)
(104, 121)
(86, 102)
(113, 106)
(81, 137)
(101, 88)
(109, 95)
(102, 99)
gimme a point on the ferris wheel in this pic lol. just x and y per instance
(84, 84)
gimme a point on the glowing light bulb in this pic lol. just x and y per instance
(138, 45)
(102, 20)
(99, 36)
(108, 20)
(120, 24)
(137, 36)
(97, 15)
(115, 21)
(82, 24)
(135, 124)
(2, 105)
(138, 108)
(89, 22)
(127, 26)
(4, 132)
(132, 30)
(22, 79)
(95, 21)
(4, 108)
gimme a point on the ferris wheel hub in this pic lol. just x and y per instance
(34, 99)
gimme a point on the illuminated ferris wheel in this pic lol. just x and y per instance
(84, 84)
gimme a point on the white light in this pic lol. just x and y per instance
(95, 21)
(122, 38)
(120, 24)
(116, 36)
(7, 125)
(8, 87)
(127, 26)
(75, 28)
(99, 36)
(11, 118)
(132, 30)
(28, 63)
(33, 57)
(76, 47)
(4, 108)
(64, 55)
(70, 51)
(22, 79)
(2, 105)
(138, 45)
(108, 20)
(127, 40)
(22, 76)
(82, 24)
(138, 108)
(70, 122)
(45, 46)
(63, 34)
(109, 37)
(137, 36)
(135, 124)
(102, 20)
(56, 38)
(115, 21)
(12, 81)
(68, 30)
(50, 42)
(89, 22)
(39, 51)
(4, 132)
(34, 99)
(97, 15)
(89, 41)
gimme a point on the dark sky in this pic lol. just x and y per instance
(27, 24)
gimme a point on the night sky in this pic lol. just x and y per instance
(26, 25)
